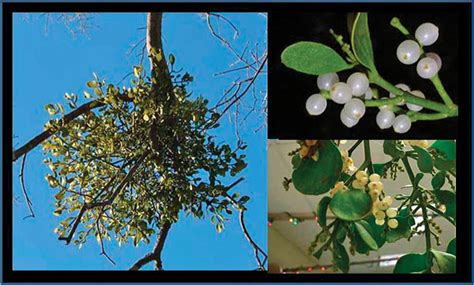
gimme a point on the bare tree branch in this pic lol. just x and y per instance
(155, 255)
(25, 193)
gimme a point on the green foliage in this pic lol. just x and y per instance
(365, 232)
(451, 249)
(313, 58)
(317, 177)
(351, 205)
(405, 222)
(322, 210)
(446, 262)
(412, 263)
(425, 163)
(448, 199)
(361, 42)
(184, 172)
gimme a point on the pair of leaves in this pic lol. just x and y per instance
(315, 58)
(317, 177)
(420, 263)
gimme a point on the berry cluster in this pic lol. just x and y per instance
(420, 143)
(347, 162)
(356, 89)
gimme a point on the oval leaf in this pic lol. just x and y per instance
(365, 233)
(392, 148)
(313, 58)
(412, 263)
(322, 210)
(452, 247)
(351, 205)
(448, 199)
(361, 43)
(446, 262)
(340, 257)
(447, 150)
(425, 163)
(438, 180)
(318, 177)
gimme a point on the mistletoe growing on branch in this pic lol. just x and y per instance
(125, 164)
(369, 215)
(317, 59)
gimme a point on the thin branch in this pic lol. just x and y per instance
(25, 193)
(102, 248)
(155, 255)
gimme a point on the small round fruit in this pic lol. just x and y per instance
(355, 108)
(348, 121)
(359, 83)
(391, 213)
(413, 107)
(368, 94)
(375, 185)
(316, 104)
(427, 34)
(436, 57)
(363, 180)
(379, 222)
(341, 93)
(401, 124)
(388, 200)
(403, 87)
(374, 194)
(427, 68)
(357, 185)
(379, 215)
(374, 177)
(408, 52)
(382, 206)
(385, 119)
(392, 223)
(326, 81)
(360, 174)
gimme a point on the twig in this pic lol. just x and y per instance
(102, 248)
(25, 193)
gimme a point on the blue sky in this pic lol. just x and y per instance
(45, 66)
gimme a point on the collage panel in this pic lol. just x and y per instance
(362, 206)
(389, 71)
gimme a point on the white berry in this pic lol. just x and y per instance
(401, 124)
(403, 87)
(392, 223)
(374, 177)
(427, 67)
(341, 93)
(427, 34)
(326, 81)
(355, 108)
(316, 104)
(436, 57)
(347, 120)
(368, 94)
(385, 119)
(408, 52)
(359, 83)
(413, 107)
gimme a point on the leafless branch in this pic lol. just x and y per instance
(102, 248)
(25, 193)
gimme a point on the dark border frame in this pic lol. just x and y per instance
(464, 263)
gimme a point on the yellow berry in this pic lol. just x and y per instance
(363, 181)
(339, 185)
(391, 213)
(361, 174)
(304, 151)
(392, 223)
(374, 177)
(382, 206)
(374, 194)
(388, 200)
(376, 186)
(357, 185)
(380, 222)
(379, 215)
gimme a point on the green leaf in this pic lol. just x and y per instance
(318, 253)
(341, 234)
(405, 222)
(446, 262)
(378, 232)
(313, 58)
(447, 198)
(322, 210)
(351, 205)
(340, 257)
(361, 43)
(412, 263)
(172, 59)
(318, 177)
(91, 84)
(296, 161)
(390, 147)
(438, 180)
(379, 168)
(365, 233)
(451, 249)
(447, 150)
(87, 95)
(424, 161)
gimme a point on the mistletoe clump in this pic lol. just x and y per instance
(138, 156)
(366, 213)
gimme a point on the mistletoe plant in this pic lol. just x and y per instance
(369, 215)
(356, 94)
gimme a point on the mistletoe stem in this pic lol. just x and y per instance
(354, 146)
(368, 157)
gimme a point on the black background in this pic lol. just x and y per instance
(289, 89)
(464, 201)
